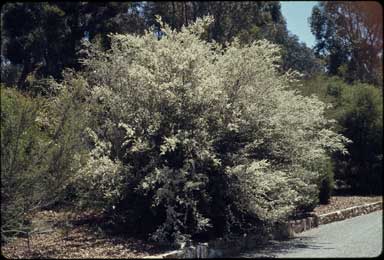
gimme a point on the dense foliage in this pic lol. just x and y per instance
(358, 111)
(19, 143)
(196, 137)
(362, 122)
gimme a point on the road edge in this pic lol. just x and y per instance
(285, 231)
(298, 226)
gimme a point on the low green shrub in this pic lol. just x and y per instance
(40, 152)
(20, 158)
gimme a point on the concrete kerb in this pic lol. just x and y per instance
(217, 248)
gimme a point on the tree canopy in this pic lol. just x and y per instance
(41, 39)
(349, 35)
(44, 38)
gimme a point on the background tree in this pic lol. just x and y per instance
(362, 122)
(358, 113)
(44, 38)
(102, 18)
(258, 20)
(349, 36)
(34, 34)
(295, 54)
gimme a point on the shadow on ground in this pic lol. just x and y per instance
(273, 248)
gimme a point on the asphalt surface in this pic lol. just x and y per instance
(360, 236)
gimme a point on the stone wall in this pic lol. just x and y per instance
(349, 212)
(300, 225)
(222, 248)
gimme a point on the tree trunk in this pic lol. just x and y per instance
(27, 68)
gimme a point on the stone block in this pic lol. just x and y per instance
(309, 223)
(190, 252)
(299, 228)
(316, 221)
(202, 250)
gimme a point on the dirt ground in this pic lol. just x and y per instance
(64, 235)
(343, 202)
(61, 237)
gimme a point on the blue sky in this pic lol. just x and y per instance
(296, 14)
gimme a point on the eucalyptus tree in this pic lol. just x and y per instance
(349, 35)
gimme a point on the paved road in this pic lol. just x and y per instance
(360, 236)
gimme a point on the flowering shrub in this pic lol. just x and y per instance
(189, 136)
